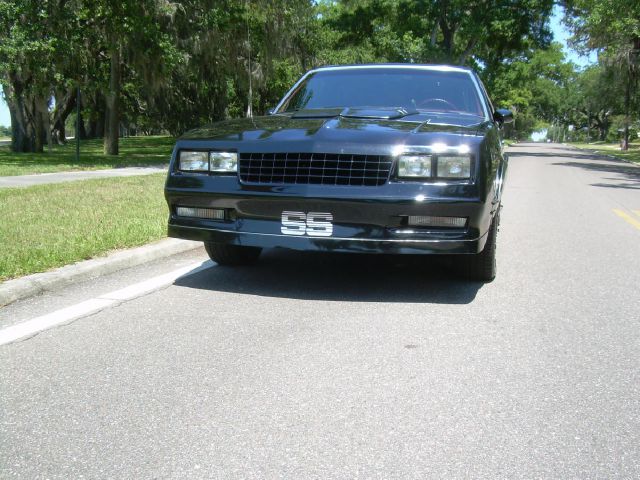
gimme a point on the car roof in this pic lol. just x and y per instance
(413, 66)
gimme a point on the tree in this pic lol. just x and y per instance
(452, 31)
(612, 27)
(534, 86)
(129, 35)
(593, 99)
(27, 69)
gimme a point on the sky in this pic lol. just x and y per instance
(560, 34)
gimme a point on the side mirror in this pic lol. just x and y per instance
(503, 116)
(271, 111)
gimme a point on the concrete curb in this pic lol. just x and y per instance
(24, 287)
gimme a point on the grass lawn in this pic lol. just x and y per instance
(613, 149)
(134, 151)
(48, 226)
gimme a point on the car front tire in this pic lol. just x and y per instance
(481, 267)
(232, 255)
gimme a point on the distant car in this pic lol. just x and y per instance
(396, 159)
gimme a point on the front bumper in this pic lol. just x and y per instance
(365, 219)
(332, 244)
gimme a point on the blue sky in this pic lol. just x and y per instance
(560, 34)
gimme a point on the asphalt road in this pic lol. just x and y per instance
(347, 366)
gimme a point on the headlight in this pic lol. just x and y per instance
(205, 161)
(414, 166)
(194, 161)
(223, 161)
(454, 166)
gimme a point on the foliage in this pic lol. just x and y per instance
(534, 86)
(612, 27)
(603, 24)
(166, 66)
(450, 31)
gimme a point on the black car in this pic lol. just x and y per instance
(400, 159)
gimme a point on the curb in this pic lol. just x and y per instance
(24, 287)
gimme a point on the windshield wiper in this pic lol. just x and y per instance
(378, 113)
(382, 113)
(317, 112)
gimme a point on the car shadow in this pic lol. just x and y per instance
(340, 277)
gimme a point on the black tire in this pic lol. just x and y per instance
(481, 267)
(230, 255)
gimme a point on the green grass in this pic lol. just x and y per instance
(48, 226)
(134, 151)
(613, 149)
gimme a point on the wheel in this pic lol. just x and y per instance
(481, 267)
(224, 254)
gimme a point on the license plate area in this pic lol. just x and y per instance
(311, 224)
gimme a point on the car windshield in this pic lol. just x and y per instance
(412, 89)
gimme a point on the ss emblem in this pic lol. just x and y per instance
(314, 224)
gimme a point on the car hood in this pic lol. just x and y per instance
(342, 131)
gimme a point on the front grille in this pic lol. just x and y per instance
(314, 168)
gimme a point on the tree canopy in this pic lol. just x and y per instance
(167, 66)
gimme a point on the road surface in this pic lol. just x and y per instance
(347, 366)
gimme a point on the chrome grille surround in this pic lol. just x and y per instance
(314, 169)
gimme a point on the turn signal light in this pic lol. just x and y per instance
(428, 221)
(206, 213)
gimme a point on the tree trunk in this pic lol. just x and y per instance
(39, 132)
(19, 138)
(627, 112)
(96, 125)
(65, 103)
(82, 132)
(602, 133)
(113, 105)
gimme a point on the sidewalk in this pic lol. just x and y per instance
(59, 177)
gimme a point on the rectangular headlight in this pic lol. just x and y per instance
(193, 161)
(223, 161)
(454, 166)
(416, 166)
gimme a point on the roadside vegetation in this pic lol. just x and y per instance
(134, 151)
(48, 226)
(613, 149)
(154, 66)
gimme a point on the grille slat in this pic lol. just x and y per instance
(314, 168)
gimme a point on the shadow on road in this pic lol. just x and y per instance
(628, 174)
(340, 277)
(559, 154)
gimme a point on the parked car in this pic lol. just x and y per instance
(393, 158)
